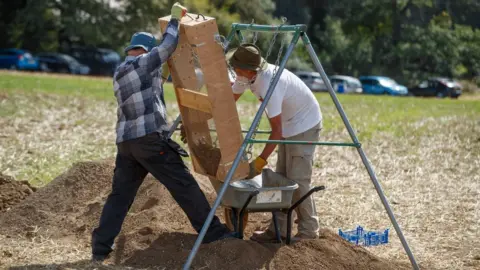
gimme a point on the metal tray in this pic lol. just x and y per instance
(276, 192)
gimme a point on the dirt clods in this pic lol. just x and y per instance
(13, 192)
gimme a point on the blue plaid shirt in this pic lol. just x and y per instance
(138, 88)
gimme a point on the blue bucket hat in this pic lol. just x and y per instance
(142, 40)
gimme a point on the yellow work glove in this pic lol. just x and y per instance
(178, 11)
(165, 72)
(256, 167)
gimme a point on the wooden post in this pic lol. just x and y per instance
(197, 36)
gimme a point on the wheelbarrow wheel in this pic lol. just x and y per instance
(231, 219)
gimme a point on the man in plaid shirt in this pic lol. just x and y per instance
(143, 144)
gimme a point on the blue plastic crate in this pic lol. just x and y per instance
(360, 236)
(354, 236)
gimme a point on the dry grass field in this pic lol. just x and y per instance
(425, 152)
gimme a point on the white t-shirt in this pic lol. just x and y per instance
(291, 98)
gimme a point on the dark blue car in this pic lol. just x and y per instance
(437, 87)
(379, 85)
(17, 59)
(61, 63)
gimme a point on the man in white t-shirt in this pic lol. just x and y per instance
(294, 114)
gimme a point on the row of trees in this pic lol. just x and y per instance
(47, 25)
(405, 39)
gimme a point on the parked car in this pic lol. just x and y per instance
(17, 59)
(379, 85)
(101, 61)
(61, 63)
(437, 87)
(313, 80)
(346, 84)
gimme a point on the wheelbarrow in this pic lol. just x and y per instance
(267, 192)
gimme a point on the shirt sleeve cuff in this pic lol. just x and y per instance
(174, 22)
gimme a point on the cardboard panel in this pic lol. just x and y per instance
(240, 173)
(195, 122)
(194, 100)
(198, 34)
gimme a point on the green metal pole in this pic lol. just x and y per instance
(243, 131)
(269, 28)
(230, 37)
(240, 36)
(306, 143)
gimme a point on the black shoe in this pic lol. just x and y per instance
(98, 258)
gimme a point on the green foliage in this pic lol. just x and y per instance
(405, 39)
(469, 49)
(33, 27)
(427, 52)
(300, 59)
(408, 40)
(344, 54)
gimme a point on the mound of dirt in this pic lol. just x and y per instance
(13, 192)
(157, 234)
(54, 209)
(170, 251)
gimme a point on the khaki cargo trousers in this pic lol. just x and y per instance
(295, 162)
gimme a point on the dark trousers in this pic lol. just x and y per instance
(161, 157)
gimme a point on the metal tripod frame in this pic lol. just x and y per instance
(299, 33)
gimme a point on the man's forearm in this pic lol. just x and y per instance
(160, 54)
(270, 147)
(169, 42)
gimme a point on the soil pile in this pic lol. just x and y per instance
(13, 192)
(156, 233)
(328, 252)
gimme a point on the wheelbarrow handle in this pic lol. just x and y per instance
(304, 197)
(295, 205)
(318, 188)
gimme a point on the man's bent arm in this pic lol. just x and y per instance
(276, 126)
(160, 54)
